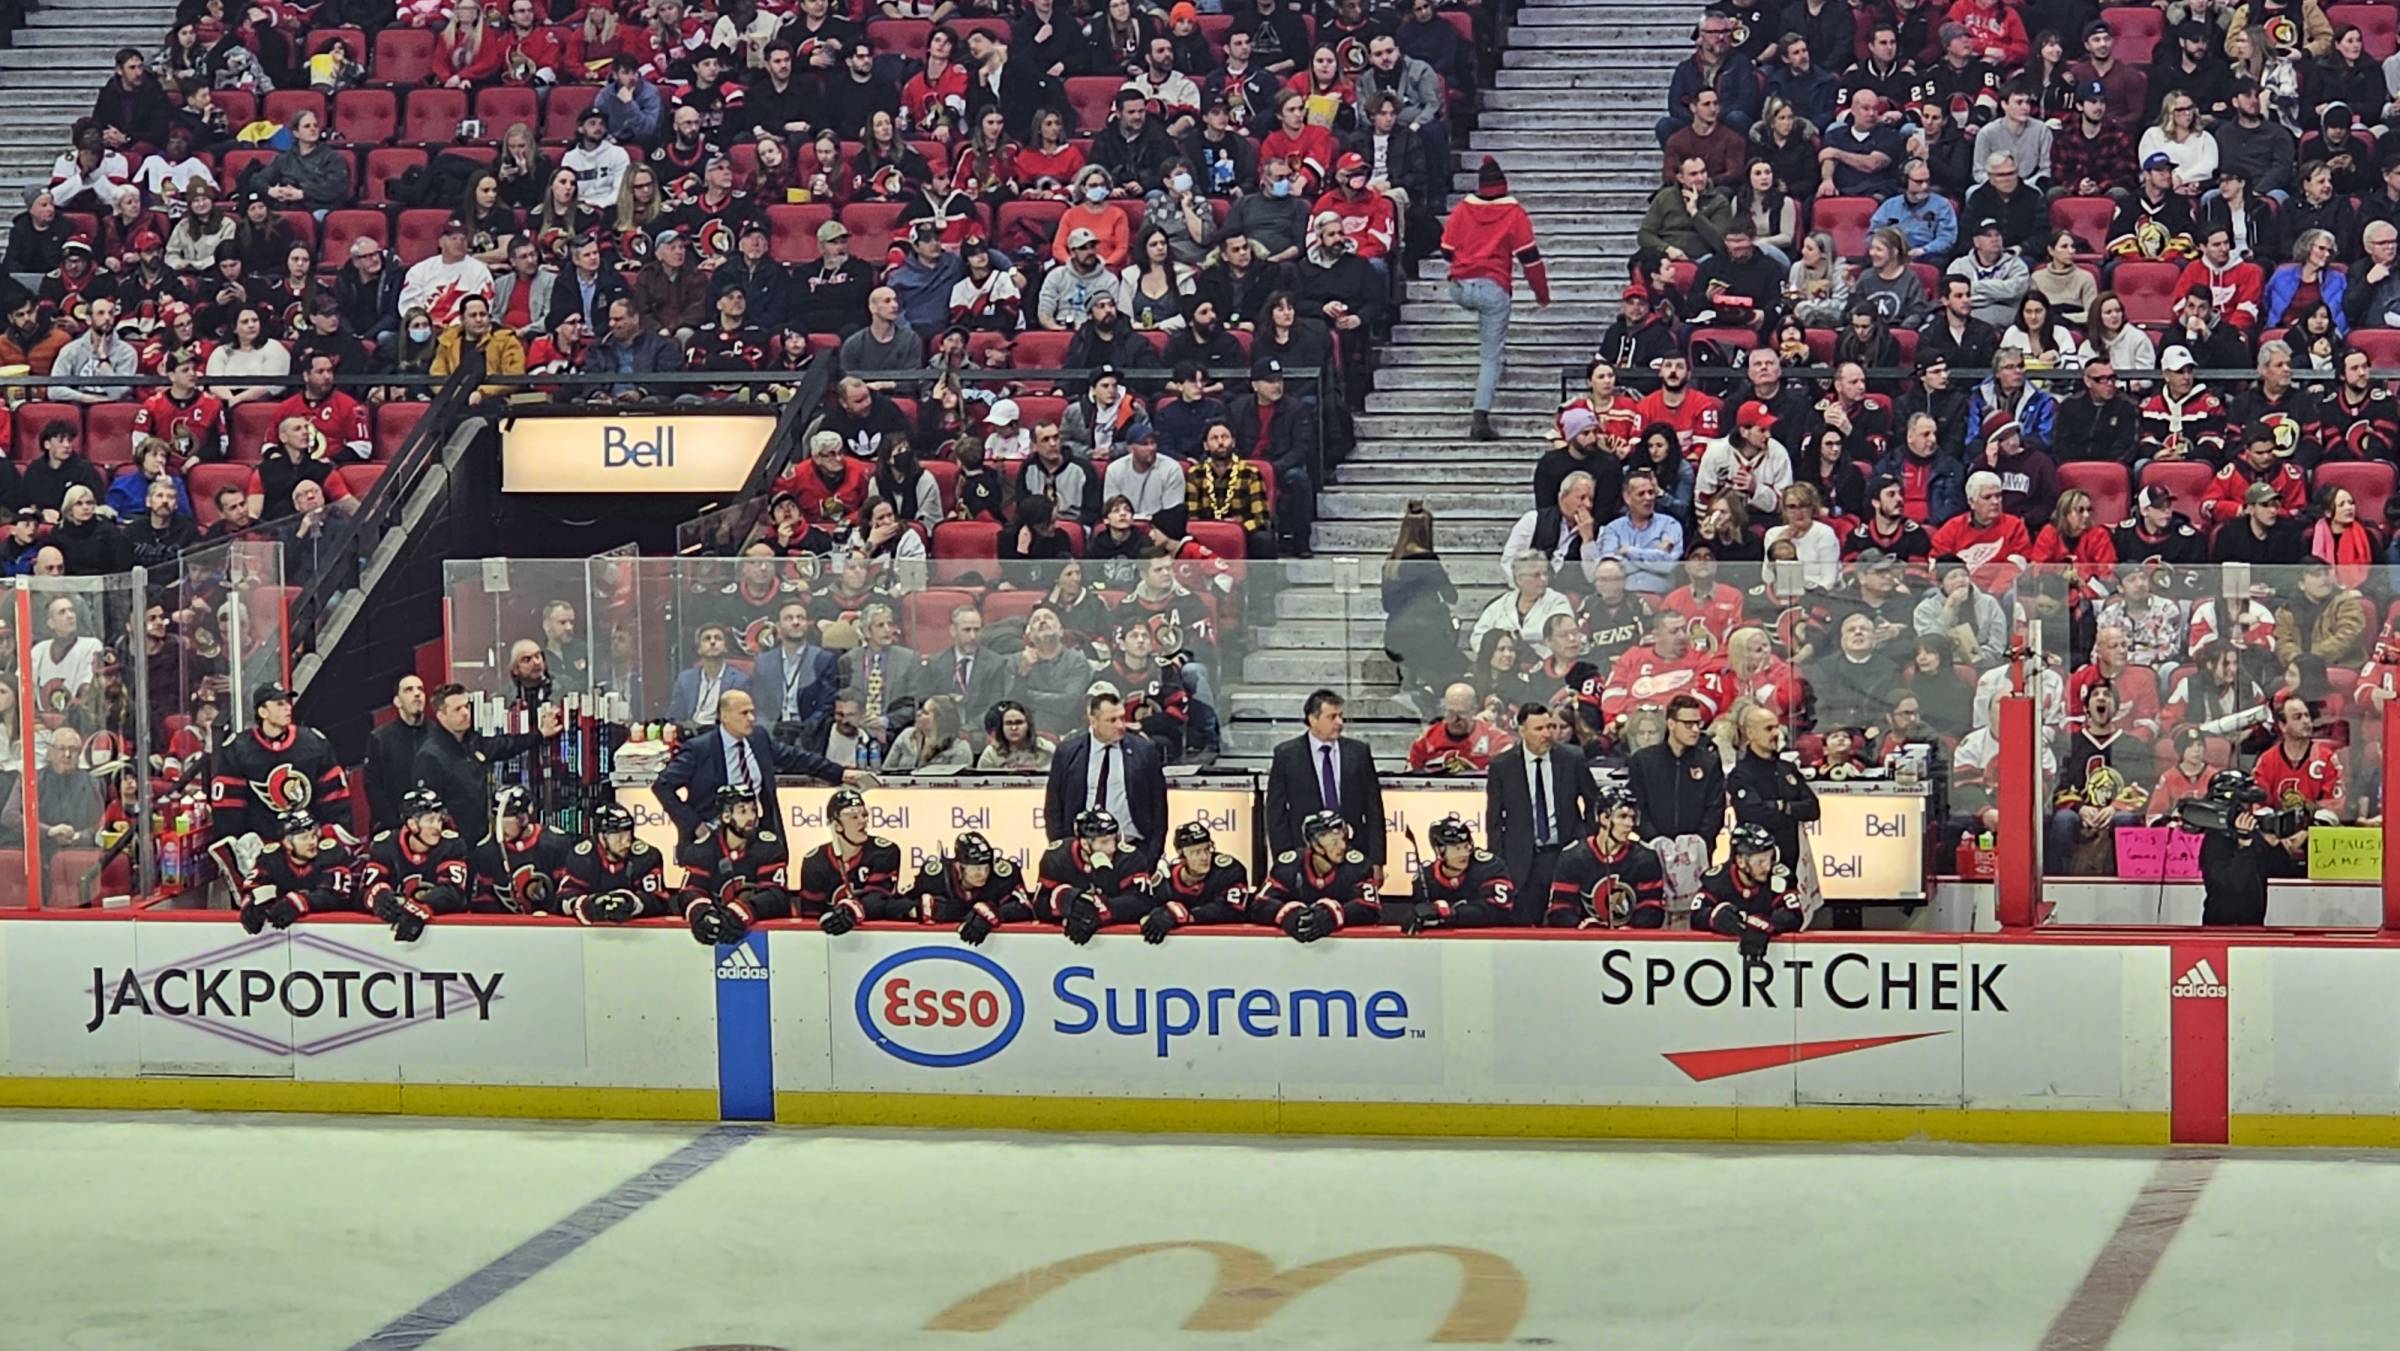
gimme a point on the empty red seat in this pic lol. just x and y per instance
(386, 165)
(251, 429)
(945, 481)
(393, 423)
(362, 478)
(2368, 481)
(2379, 25)
(366, 117)
(960, 547)
(2138, 29)
(2382, 346)
(237, 163)
(901, 37)
(2147, 288)
(32, 418)
(997, 27)
(403, 56)
(433, 116)
(1845, 218)
(2105, 481)
(2088, 218)
(302, 225)
(1028, 225)
(417, 234)
(564, 110)
(792, 230)
(1222, 538)
(240, 105)
(108, 432)
(503, 106)
(286, 104)
(871, 226)
(925, 616)
(1093, 99)
(341, 227)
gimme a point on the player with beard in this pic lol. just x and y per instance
(311, 872)
(1084, 882)
(518, 865)
(1461, 886)
(1201, 886)
(855, 875)
(734, 871)
(275, 767)
(1321, 887)
(974, 888)
(1610, 879)
(1750, 896)
(418, 871)
(613, 878)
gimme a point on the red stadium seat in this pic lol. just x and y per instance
(33, 417)
(237, 163)
(1728, 339)
(393, 423)
(2090, 218)
(1028, 225)
(792, 230)
(1930, 275)
(563, 111)
(2138, 28)
(433, 116)
(504, 106)
(998, 28)
(1222, 538)
(385, 166)
(1093, 99)
(900, 37)
(1039, 349)
(2382, 346)
(362, 478)
(1041, 408)
(2148, 290)
(403, 56)
(961, 548)
(417, 235)
(1820, 345)
(2187, 481)
(945, 480)
(366, 117)
(285, 104)
(341, 227)
(937, 156)
(2105, 480)
(303, 227)
(2369, 481)
(108, 433)
(240, 105)
(871, 226)
(204, 481)
(925, 616)
(250, 427)
(1845, 218)
(321, 38)
(2379, 25)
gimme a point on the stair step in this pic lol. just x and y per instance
(1389, 740)
(1375, 537)
(1532, 427)
(1412, 378)
(84, 32)
(1435, 403)
(1404, 474)
(1593, 71)
(1377, 504)
(1518, 135)
(1268, 703)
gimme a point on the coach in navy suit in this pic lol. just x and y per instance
(1323, 770)
(737, 751)
(1133, 787)
(795, 680)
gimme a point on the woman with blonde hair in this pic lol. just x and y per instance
(1819, 283)
(467, 53)
(1761, 675)
(2179, 136)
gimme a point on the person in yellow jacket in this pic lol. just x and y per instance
(503, 353)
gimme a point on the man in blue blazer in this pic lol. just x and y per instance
(1134, 788)
(794, 679)
(698, 686)
(736, 751)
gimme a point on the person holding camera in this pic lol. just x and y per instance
(2241, 847)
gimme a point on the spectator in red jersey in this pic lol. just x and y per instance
(1714, 607)
(191, 422)
(2300, 770)
(340, 419)
(2259, 463)
(1459, 742)
(1992, 543)
(832, 486)
(1697, 418)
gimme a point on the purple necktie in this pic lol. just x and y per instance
(1333, 798)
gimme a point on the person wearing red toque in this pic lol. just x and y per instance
(1487, 237)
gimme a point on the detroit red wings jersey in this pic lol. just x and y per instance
(1621, 419)
(2315, 781)
(259, 778)
(2237, 290)
(1437, 751)
(1642, 676)
(193, 431)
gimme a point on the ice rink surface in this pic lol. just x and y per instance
(195, 1233)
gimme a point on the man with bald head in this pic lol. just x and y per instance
(737, 751)
(1459, 742)
(887, 343)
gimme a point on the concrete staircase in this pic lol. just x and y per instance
(50, 73)
(1570, 116)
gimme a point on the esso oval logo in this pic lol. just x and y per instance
(940, 1007)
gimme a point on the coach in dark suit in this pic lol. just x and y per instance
(964, 670)
(1538, 797)
(736, 751)
(1123, 775)
(796, 678)
(1306, 764)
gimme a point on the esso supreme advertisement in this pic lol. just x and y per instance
(1032, 1007)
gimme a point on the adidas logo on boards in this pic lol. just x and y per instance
(740, 964)
(2199, 981)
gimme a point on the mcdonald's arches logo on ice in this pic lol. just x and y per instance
(1249, 1290)
(686, 453)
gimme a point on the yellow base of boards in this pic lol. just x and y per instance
(543, 1103)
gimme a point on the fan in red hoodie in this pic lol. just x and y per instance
(2236, 284)
(1487, 238)
(1366, 214)
(1992, 543)
(2263, 447)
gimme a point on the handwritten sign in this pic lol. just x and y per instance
(2157, 854)
(2345, 853)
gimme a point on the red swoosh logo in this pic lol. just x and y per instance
(1702, 1066)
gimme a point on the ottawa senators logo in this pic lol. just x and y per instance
(53, 697)
(285, 789)
(759, 636)
(716, 241)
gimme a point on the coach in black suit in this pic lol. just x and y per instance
(1123, 775)
(1538, 797)
(1296, 782)
(737, 749)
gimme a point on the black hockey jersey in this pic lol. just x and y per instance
(439, 877)
(642, 872)
(327, 883)
(259, 779)
(941, 896)
(1347, 893)
(520, 876)
(1593, 889)
(713, 868)
(1724, 903)
(1480, 896)
(1067, 871)
(868, 884)
(1219, 896)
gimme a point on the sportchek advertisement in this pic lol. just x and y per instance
(314, 1001)
(1600, 1022)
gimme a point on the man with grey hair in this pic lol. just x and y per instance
(84, 363)
(1993, 544)
(1567, 534)
(2373, 297)
(1996, 278)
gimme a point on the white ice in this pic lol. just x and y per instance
(194, 1233)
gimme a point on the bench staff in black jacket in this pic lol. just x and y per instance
(1679, 787)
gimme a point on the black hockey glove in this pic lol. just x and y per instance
(1157, 925)
(1083, 919)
